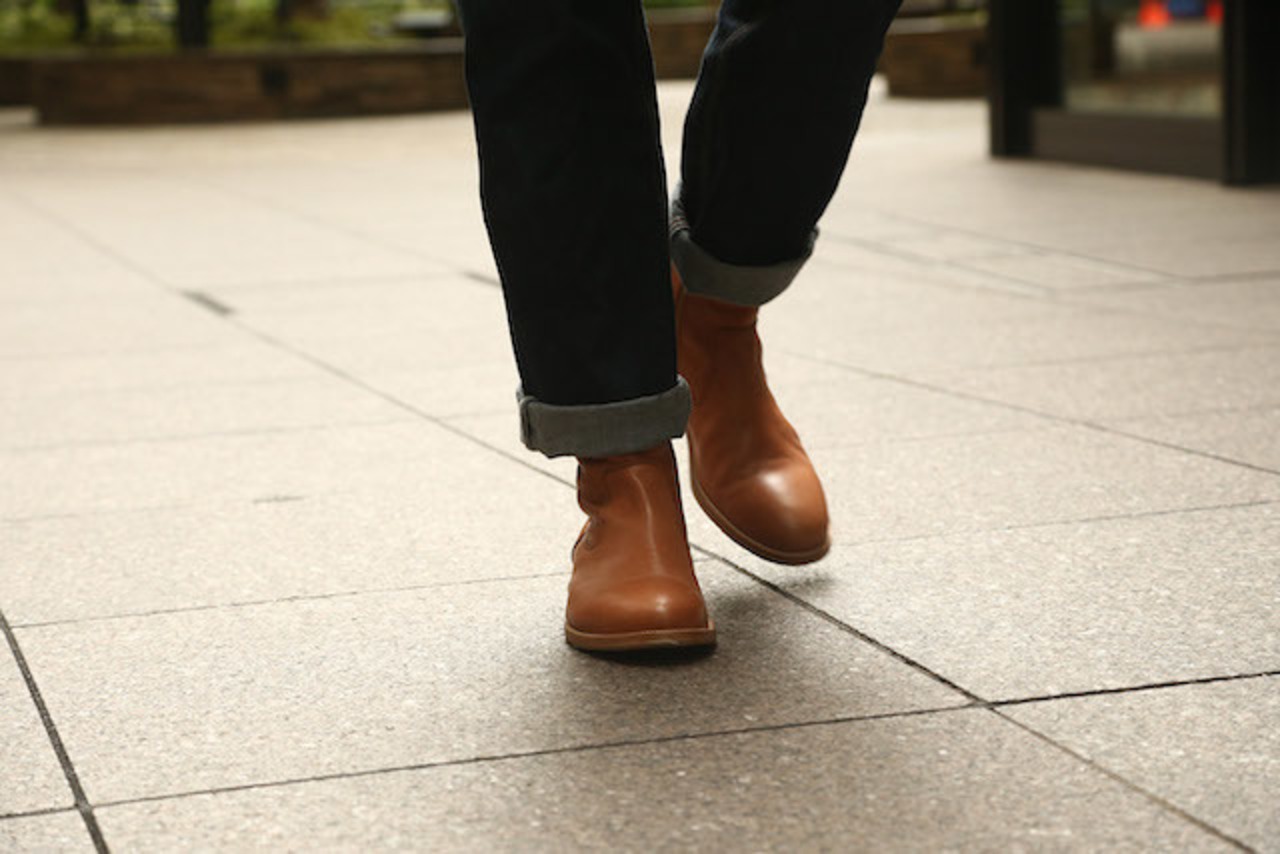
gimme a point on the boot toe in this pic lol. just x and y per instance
(644, 605)
(780, 514)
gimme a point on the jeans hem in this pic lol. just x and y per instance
(705, 275)
(604, 429)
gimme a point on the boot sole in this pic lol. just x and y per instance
(630, 641)
(755, 547)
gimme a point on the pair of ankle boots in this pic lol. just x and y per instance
(633, 585)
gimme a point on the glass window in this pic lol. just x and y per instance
(1161, 57)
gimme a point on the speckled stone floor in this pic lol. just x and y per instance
(275, 572)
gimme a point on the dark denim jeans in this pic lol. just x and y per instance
(574, 188)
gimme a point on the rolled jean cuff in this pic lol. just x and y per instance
(604, 429)
(705, 275)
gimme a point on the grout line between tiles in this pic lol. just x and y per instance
(301, 597)
(845, 627)
(182, 438)
(1035, 248)
(36, 813)
(268, 287)
(321, 222)
(208, 302)
(440, 422)
(1061, 419)
(1127, 783)
(74, 514)
(1241, 409)
(1133, 689)
(549, 751)
(1056, 523)
(1044, 293)
(1206, 349)
(93, 392)
(55, 740)
(339, 372)
(122, 351)
(975, 701)
(994, 707)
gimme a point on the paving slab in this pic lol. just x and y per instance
(832, 406)
(64, 831)
(374, 306)
(193, 236)
(238, 360)
(890, 264)
(1046, 334)
(1060, 271)
(439, 337)
(1212, 750)
(462, 517)
(1112, 389)
(190, 410)
(949, 245)
(219, 469)
(953, 781)
(32, 779)
(1250, 303)
(366, 354)
(501, 431)
(128, 324)
(362, 244)
(453, 391)
(1066, 608)
(56, 265)
(951, 484)
(1249, 435)
(867, 223)
(226, 697)
(849, 292)
(1206, 255)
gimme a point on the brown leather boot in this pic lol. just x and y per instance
(633, 585)
(747, 467)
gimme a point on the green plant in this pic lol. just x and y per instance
(250, 23)
(33, 25)
(132, 25)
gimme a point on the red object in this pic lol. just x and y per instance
(1214, 11)
(1154, 14)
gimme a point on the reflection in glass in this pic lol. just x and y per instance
(1161, 57)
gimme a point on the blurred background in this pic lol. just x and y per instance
(277, 573)
(1179, 86)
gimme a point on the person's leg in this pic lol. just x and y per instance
(777, 105)
(574, 196)
(778, 102)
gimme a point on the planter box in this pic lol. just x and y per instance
(192, 87)
(678, 38)
(933, 58)
(15, 81)
(286, 83)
